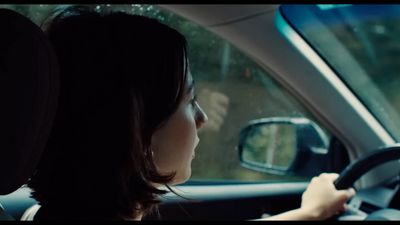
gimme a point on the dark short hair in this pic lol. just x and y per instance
(121, 78)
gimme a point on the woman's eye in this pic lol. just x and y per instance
(193, 100)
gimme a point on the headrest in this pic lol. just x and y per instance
(28, 95)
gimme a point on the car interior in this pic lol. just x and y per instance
(29, 87)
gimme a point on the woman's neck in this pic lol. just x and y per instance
(137, 218)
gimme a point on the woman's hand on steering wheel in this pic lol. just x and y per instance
(322, 200)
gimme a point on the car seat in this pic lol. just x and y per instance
(28, 98)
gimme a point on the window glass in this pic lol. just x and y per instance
(230, 86)
(362, 44)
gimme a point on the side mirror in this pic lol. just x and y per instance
(280, 146)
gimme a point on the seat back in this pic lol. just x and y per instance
(28, 97)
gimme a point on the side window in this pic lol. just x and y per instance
(232, 89)
(230, 86)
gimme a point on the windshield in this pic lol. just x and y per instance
(362, 44)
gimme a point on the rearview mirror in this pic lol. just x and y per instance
(281, 145)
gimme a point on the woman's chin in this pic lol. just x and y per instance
(182, 177)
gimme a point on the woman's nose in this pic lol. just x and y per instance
(201, 117)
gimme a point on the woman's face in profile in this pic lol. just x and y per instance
(174, 144)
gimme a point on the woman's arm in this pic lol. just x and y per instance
(320, 201)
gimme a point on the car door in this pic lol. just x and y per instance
(233, 88)
(356, 123)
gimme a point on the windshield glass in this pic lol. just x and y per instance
(361, 43)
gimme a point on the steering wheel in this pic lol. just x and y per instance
(361, 166)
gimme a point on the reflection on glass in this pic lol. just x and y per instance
(271, 145)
